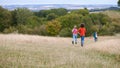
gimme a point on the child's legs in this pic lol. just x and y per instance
(82, 40)
(75, 37)
(95, 38)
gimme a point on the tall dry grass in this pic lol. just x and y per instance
(25, 51)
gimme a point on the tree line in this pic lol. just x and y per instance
(54, 22)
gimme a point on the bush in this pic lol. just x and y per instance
(40, 30)
(51, 16)
(24, 29)
(117, 27)
(107, 29)
(66, 32)
(81, 11)
(53, 28)
(69, 20)
(10, 30)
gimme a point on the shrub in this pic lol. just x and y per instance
(24, 29)
(69, 20)
(40, 30)
(66, 32)
(10, 30)
(53, 27)
(51, 16)
(107, 29)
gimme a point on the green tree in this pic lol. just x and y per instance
(117, 27)
(53, 27)
(34, 21)
(43, 13)
(69, 20)
(59, 11)
(51, 16)
(31, 27)
(65, 32)
(103, 18)
(20, 15)
(107, 29)
(118, 2)
(5, 19)
(88, 24)
(40, 30)
(95, 18)
(81, 11)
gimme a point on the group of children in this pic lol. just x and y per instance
(81, 31)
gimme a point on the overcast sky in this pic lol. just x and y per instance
(83, 2)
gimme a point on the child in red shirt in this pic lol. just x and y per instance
(82, 32)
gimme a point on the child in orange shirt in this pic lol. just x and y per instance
(82, 31)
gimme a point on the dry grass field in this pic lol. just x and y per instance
(32, 51)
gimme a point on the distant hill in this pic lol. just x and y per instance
(104, 9)
(52, 6)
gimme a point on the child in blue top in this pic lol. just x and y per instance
(95, 36)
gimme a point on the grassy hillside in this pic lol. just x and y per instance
(114, 15)
(26, 51)
(115, 19)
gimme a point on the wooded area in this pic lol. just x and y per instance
(56, 22)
